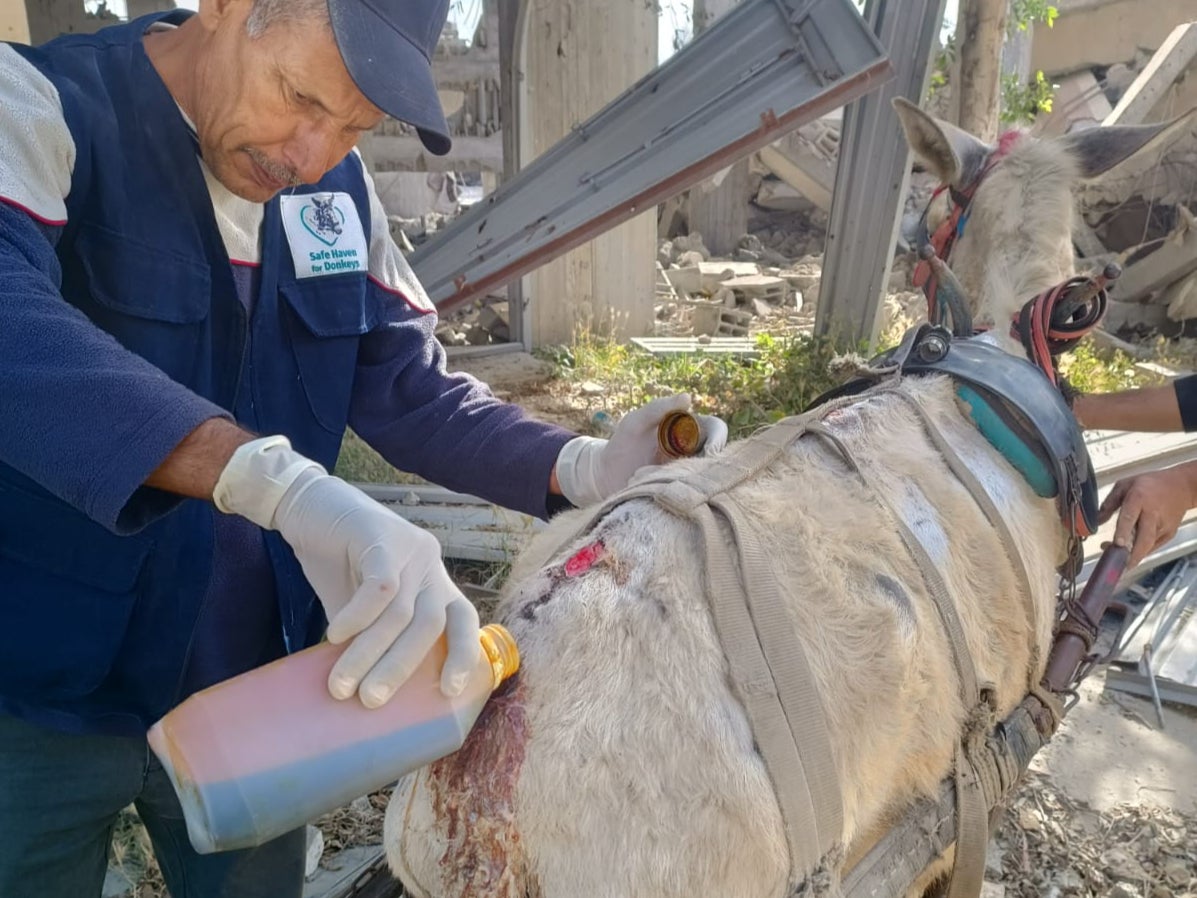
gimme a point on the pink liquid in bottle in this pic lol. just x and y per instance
(270, 750)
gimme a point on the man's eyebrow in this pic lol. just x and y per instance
(320, 103)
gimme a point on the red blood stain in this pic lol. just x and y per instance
(473, 798)
(584, 559)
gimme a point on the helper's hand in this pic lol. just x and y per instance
(589, 469)
(379, 578)
(1152, 507)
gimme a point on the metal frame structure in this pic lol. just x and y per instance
(873, 175)
(764, 69)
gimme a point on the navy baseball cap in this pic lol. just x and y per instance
(387, 46)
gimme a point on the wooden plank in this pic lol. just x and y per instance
(1085, 238)
(739, 346)
(1176, 257)
(1167, 64)
(467, 527)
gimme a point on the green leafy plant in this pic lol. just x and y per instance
(941, 66)
(1022, 102)
(1025, 13)
(785, 374)
(1091, 369)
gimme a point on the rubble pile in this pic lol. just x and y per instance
(411, 232)
(1048, 846)
(1140, 214)
(756, 289)
(483, 322)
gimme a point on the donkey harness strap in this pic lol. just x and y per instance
(769, 671)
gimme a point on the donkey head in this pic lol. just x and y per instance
(1014, 224)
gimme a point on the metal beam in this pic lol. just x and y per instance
(513, 20)
(764, 69)
(872, 176)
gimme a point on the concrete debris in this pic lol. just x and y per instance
(685, 279)
(1166, 66)
(750, 249)
(394, 224)
(717, 271)
(757, 286)
(449, 335)
(493, 319)
(1181, 298)
(416, 230)
(1153, 267)
(762, 309)
(692, 243)
(1138, 215)
(725, 296)
(713, 318)
(483, 323)
(778, 196)
(1079, 103)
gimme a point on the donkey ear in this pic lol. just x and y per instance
(1100, 150)
(954, 156)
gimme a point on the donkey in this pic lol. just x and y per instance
(622, 760)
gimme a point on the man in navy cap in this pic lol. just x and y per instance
(198, 292)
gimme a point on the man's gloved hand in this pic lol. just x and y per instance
(590, 469)
(380, 578)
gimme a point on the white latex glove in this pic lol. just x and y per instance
(590, 469)
(379, 577)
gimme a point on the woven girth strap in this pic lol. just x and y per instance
(972, 811)
(767, 667)
(985, 502)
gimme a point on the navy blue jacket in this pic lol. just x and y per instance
(102, 578)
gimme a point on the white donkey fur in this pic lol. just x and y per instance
(621, 764)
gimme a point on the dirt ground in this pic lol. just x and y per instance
(1109, 807)
(526, 380)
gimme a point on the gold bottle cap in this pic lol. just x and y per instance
(680, 435)
(501, 651)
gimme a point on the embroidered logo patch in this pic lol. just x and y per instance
(324, 233)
